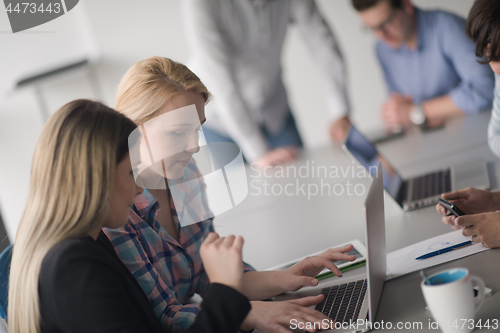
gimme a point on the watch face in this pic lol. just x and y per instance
(417, 115)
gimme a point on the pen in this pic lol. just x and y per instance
(446, 249)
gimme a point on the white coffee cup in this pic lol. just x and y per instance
(450, 299)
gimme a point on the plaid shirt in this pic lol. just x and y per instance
(168, 271)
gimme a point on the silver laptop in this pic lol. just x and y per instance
(421, 191)
(352, 303)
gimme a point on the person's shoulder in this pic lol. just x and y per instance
(379, 46)
(445, 15)
(446, 20)
(74, 247)
(72, 252)
(382, 50)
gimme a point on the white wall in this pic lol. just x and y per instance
(126, 31)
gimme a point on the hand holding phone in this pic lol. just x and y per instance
(451, 208)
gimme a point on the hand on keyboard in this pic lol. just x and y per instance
(276, 317)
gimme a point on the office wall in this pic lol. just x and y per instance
(126, 31)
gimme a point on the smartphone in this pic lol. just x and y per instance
(451, 208)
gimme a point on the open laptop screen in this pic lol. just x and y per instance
(366, 153)
(375, 243)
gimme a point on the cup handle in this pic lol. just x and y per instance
(478, 300)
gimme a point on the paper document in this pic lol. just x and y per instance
(402, 261)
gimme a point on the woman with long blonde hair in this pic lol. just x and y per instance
(65, 275)
(161, 251)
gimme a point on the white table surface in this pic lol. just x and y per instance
(279, 228)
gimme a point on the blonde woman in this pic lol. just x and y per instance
(163, 256)
(65, 275)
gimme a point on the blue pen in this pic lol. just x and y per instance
(446, 249)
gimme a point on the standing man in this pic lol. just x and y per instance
(236, 50)
(429, 64)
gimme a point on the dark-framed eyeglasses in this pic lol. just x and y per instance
(382, 26)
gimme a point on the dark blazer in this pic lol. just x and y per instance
(84, 287)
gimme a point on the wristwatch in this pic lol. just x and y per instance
(417, 115)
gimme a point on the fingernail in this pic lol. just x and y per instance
(314, 282)
(452, 219)
(442, 210)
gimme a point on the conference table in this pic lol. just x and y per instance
(317, 201)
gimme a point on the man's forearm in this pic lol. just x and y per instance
(440, 108)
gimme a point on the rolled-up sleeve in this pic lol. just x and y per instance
(475, 90)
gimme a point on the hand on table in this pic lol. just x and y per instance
(484, 228)
(339, 129)
(469, 200)
(276, 317)
(222, 259)
(303, 273)
(277, 156)
(396, 110)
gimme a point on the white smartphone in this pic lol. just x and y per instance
(359, 251)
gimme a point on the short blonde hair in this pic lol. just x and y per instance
(147, 85)
(72, 179)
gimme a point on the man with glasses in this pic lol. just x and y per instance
(429, 64)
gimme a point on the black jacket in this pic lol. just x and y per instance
(84, 287)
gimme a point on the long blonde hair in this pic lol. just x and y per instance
(147, 85)
(72, 178)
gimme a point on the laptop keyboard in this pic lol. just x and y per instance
(342, 303)
(431, 185)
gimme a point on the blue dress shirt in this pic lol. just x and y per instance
(443, 63)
